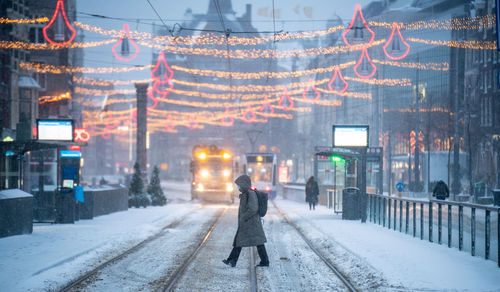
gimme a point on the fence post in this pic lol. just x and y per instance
(430, 221)
(460, 227)
(449, 225)
(473, 232)
(407, 217)
(389, 214)
(378, 210)
(487, 235)
(440, 221)
(414, 219)
(384, 206)
(395, 212)
(400, 216)
(421, 221)
(498, 239)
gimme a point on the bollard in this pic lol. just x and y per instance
(449, 226)
(389, 214)
(414, 219)
(440, 217)
(487, 231)
(400, 216)
(407, 217)
(430, 221)
(473, 232)
(460, 227)
(421, 221)
(395, 212)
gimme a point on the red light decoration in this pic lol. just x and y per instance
(106, 135)
(286, 103)
(60, 18)
(81, 135)
(192, 123)
(162, 87)
(169, 124)
(125, 41)
(249, 116)
(153, 96)
(358, 23)
(395, 41)
(266, 109)
(311, 91)
(338, 82)
(162, 72)
(367, 69)
(227, 120)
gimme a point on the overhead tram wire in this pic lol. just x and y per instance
(161, 19)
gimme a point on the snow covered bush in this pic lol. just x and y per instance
(158, 198)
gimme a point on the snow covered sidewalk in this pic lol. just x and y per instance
(405, 262)
(54, 254)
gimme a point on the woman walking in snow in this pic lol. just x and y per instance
(250, 231)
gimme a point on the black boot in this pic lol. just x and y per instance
(264, 259)
(229, 262)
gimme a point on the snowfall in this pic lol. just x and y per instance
(374, 257)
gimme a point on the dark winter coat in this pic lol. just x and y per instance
(250, 231)
(441, 190)
(312, 191)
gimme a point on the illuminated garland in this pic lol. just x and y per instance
(347, 93)
(465, 23)
(48, 46)
(412, 110)
(260, 53)
(47, 99)
(444, 66)
(38, 67)
(473, 45)
(106, 82)
(260, 75)
(385, 82)
(24, 21)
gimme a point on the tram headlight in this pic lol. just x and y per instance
(226, 155)
(200, 188)
(202, 155)
(204, 173)
(226, 172)
(229, 187)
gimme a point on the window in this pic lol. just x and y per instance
(36, 35)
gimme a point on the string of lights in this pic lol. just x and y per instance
(4, 20)
(49, 46)
(444, 66)
(43, 68)
(474, 45)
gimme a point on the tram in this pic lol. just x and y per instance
(261, 167)
(212, 174)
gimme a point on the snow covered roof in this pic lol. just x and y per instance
(27, 82)
(13, 194)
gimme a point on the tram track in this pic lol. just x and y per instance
(344, 279)
(82, 281)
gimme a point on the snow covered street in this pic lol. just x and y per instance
(371, 257)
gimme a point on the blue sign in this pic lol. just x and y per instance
(71, 154)
(79, 194)
(400, 186)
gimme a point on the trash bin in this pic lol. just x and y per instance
(65, 206)
(496, 197)
(350, 203)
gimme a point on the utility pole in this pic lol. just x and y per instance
(142, 128)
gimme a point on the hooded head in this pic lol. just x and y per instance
(244, 182)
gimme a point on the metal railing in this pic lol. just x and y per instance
(383, 210)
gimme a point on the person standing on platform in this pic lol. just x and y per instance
(312, 193)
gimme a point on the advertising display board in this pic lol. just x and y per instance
(55, 130)
(283, 174)
(350, 136)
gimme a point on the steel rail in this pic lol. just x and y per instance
(170, 284)
(129, 251)
(327, 262)
(253, 276)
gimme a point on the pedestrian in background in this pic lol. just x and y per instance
(250, 231)
(312, 193)
(441, 190)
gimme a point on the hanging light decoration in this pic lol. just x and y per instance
(286, 103)
(249, 116)
(162, 72)
(365, 67)
(395, 40)
(358, 25)
(310, 92)
(227, 120)
(338, 82)
(162, 88)
(266, 109)
(169, 124)
(62, 33)
(192, 123)
(124, 42)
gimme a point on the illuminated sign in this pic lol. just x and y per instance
(55, 130)
(71, 154)
(283, 174)
(75, 148)
(350, 136)
(335, 158)
(81, 135)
